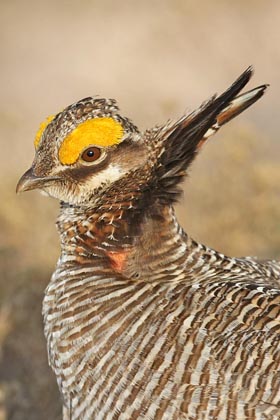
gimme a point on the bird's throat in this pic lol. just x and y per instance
(117, 239)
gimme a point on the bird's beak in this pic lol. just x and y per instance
(29, 181)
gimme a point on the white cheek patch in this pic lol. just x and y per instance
(83, 190)
(105, 177)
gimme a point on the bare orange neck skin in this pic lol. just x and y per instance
(118, 260)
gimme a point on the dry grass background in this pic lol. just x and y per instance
(158, 58)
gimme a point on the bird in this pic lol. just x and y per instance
(142, 321)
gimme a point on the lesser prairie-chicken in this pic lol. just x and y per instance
(141, 321)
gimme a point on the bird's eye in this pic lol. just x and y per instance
(91, 154)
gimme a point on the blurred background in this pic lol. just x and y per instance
(158, 59)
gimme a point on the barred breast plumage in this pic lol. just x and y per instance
(141, 321)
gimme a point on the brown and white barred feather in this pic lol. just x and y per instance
(194, 335)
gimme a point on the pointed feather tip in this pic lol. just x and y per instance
(264, 87)
(260, 91)
(244, 79)
(246, 75)
(254, 93)
(249, 71)
(240, 103)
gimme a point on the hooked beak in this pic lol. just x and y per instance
(29, 181)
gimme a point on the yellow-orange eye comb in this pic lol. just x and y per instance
(42, 127)
(102, 132)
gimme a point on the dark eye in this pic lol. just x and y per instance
(91, 154)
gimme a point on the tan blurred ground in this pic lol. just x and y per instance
(158, 58)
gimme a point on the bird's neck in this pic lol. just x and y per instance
(121, 239)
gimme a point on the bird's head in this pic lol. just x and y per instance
(83, 150)
(89, 154)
